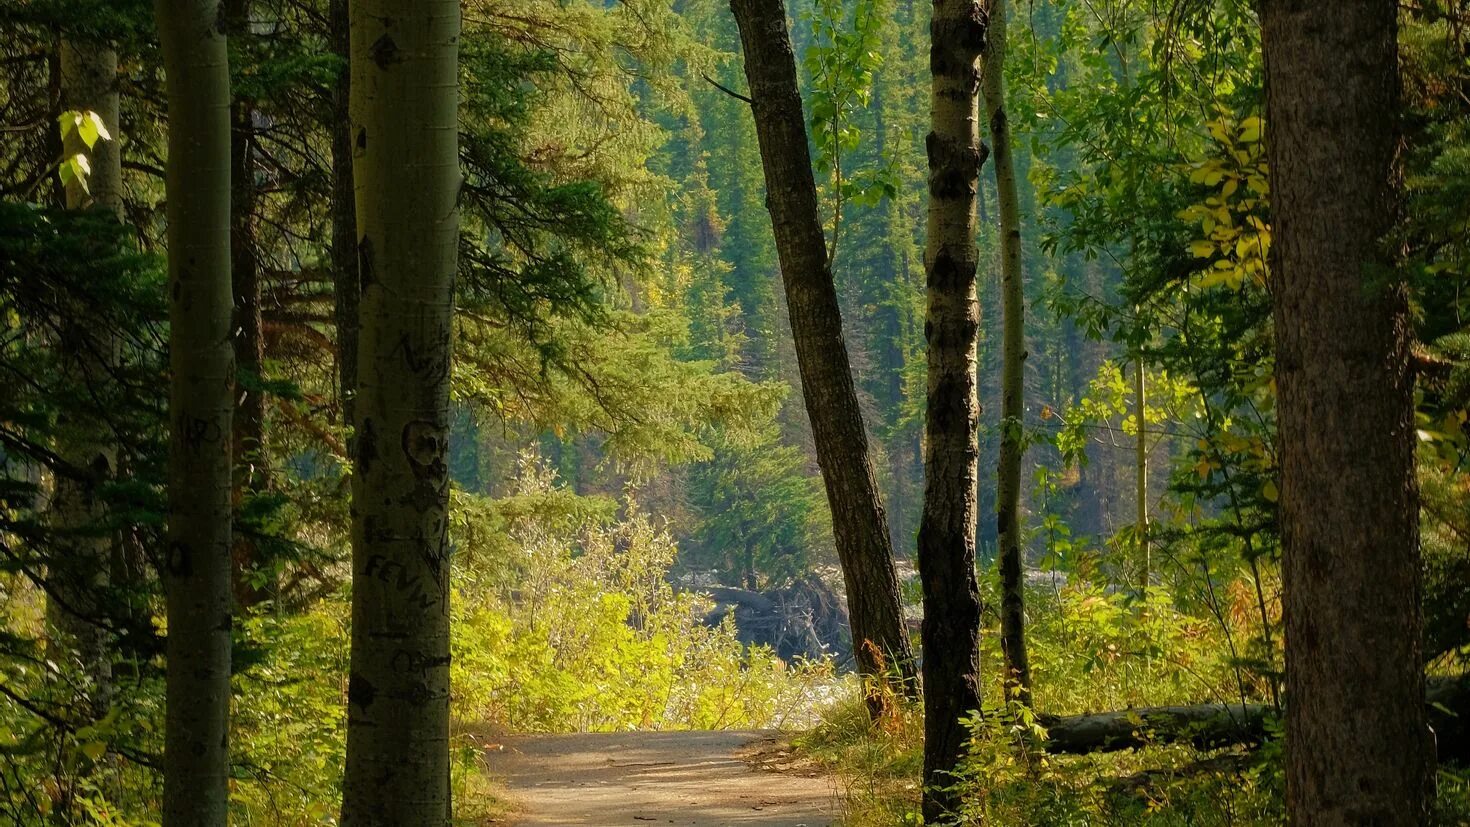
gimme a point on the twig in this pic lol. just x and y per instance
(727, 90)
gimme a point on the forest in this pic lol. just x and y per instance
(871, 412)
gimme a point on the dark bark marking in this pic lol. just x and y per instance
(367, 446)
(360, 691)
(384, 52)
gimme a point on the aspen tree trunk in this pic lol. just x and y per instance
(952, 324)
(201, 402)
(1358, 749)
(859, 526)
(1140, 473)
(345, 286)
(248, 431)
(88, 84)
(406, 165)
(1013, 365)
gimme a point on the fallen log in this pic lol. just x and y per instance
(1206, 726)
(1211, 726)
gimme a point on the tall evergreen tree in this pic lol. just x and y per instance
(1358, 749)
(405, 134)
(201, 403)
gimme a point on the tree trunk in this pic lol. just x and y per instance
(346, 289)
(406, 165)
(248, 434)
(1357, 745)
(80, 574)
(1140, 473)
(859, 525)
(197, 564)
(1205, 726)
(1013, 366)
(952, 325)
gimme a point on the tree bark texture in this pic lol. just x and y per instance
(406, 168)
(80, 574)
(1013, 365)
(859, 525)
(951, 458)
(1357, 744)
(201, 402)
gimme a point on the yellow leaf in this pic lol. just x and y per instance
(1250, 130)
(1201, 249)
(94, 750)
(1269, 491)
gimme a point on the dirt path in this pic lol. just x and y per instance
(696, 779)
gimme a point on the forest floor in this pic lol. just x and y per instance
(695, 779)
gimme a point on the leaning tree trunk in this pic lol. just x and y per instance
(1358, 749)
(79, 574)
(1013, 366)
(859, 526)
(248, 437)
(197, 563)
(952, 325)
(345, 287)
(405, 134)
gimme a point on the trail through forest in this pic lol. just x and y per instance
(695, 779)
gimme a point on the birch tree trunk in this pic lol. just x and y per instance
(80, 574)
(197, 563)
(952, 324)
(859, 525)
(1358, 748)
(406, 165)
(1013, 365)
(1140, 474)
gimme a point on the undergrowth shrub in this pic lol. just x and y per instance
(584, 632)
(1091, 650)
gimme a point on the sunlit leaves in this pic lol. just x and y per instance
(1232, 217)
(841, 62)
(88, 128)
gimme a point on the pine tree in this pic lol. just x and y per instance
(1358, 748)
